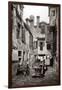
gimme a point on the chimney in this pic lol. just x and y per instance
(38, 21)
(27, 21)
(31, 21)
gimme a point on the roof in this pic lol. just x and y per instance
(44, 23)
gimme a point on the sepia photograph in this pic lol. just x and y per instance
(34, 44)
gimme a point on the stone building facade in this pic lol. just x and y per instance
(54, 27)
(22, 37)
(41, 48)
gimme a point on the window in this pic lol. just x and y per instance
(19, 25)
(53, 12)
(43, 29)
(48, 46)
(41, 45)
(18, 33)
(23, 35)
(19, 59)
(19, 53)
(18, 30)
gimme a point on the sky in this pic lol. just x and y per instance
(41, 11)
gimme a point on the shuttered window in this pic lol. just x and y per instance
(41, 45)
(19, 53)
(23, 35)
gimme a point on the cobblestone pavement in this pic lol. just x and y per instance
(50, 77)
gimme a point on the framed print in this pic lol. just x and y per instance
(33, 44)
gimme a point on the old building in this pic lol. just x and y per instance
(54, 27)
(54, 32)
(41, 47)
(17, 13)
(22, 36)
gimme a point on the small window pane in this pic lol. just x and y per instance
(18, 33)
(53, 12)
(41, 45)
(19, 59)
(19, 53)
(43, 29)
